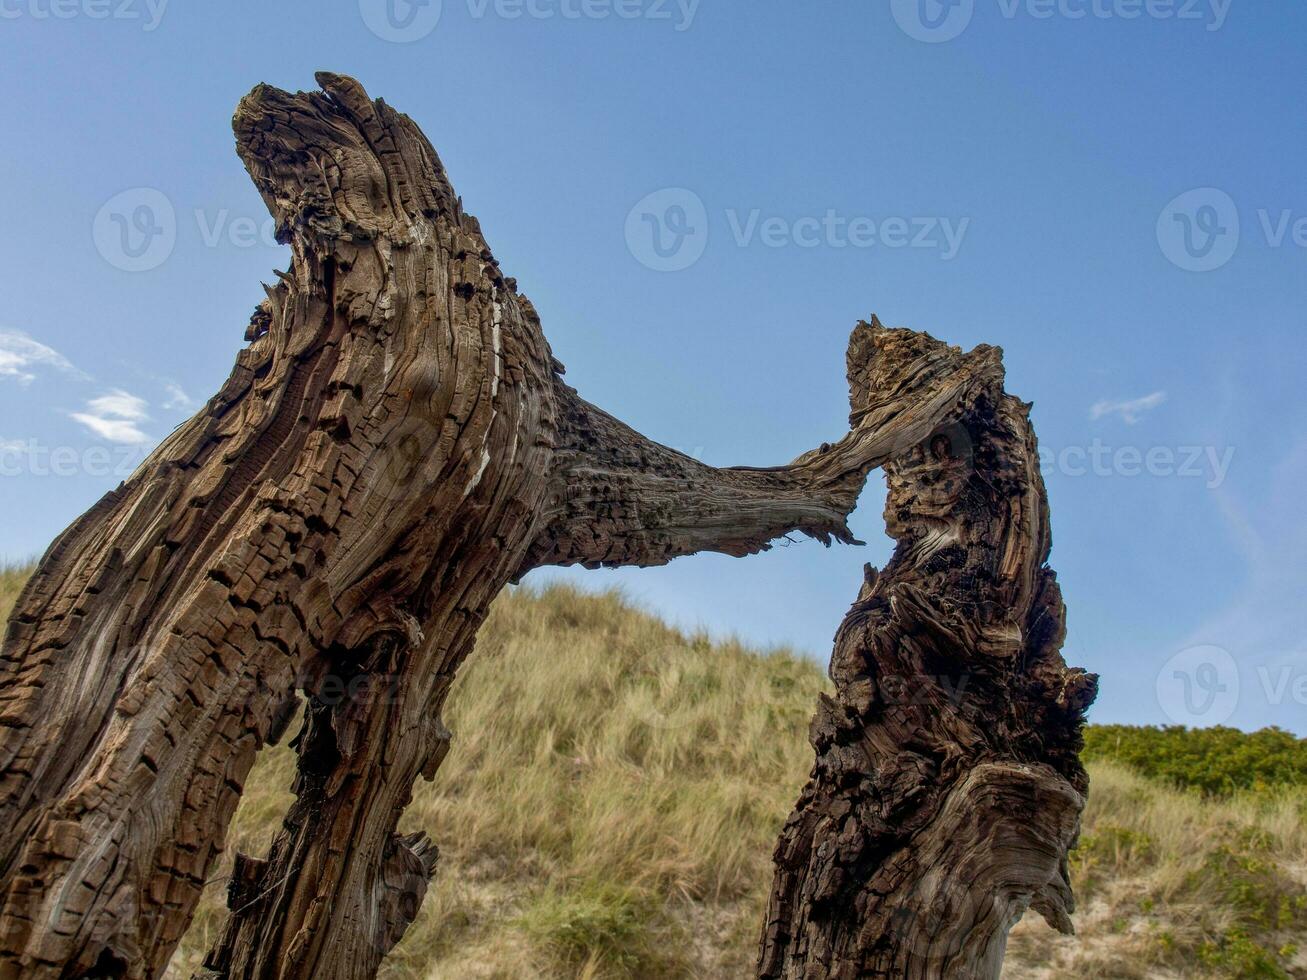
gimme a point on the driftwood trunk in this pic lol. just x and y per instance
(324, 538)
(947, 788)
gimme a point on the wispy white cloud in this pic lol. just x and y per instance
(1130, 411)
(116, 417)
(21, 357)
(177, 398)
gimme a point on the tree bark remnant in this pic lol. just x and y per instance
(394, 446)
(947, 788)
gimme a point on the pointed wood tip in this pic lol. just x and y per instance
(347, 91)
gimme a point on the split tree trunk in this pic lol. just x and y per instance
(391, 449)
(947, 789)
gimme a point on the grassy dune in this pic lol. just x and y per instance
(615, 786)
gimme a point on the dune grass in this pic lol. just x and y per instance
(12, 577)
(615, 787)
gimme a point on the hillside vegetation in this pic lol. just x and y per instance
(615, 787)
(1215, 761)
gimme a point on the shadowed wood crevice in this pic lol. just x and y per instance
(394, 445)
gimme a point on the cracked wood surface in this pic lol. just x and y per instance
(947, 788)
(323, 539)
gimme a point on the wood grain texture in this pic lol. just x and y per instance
(947, 788)
(322, 541)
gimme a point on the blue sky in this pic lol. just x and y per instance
(1112, 190)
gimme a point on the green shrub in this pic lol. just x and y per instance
(1264, 901)
(1214, 761)
(1256, 889)
(1237, 955)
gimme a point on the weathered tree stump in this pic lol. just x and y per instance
(393, 447)
(947, 787)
